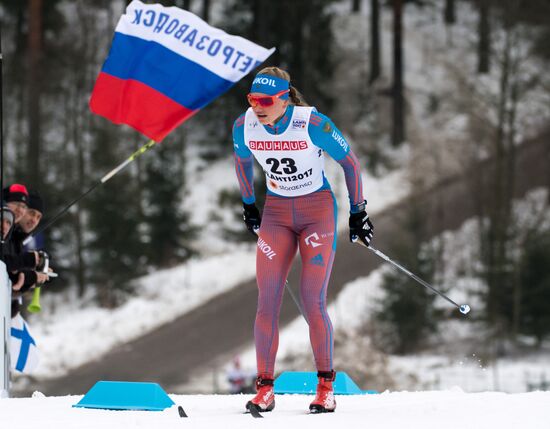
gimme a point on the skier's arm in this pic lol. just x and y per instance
(324, 134)
(244, 162)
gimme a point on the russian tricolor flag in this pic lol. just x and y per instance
(165, 64)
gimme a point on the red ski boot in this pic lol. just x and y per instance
(324, 401)
(265, 398)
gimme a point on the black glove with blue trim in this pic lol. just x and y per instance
(360, 228)
(252, 218)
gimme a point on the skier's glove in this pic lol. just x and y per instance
(360, 228)
(252, 218)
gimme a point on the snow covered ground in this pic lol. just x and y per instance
(423, 410)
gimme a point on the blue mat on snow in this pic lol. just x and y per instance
(126, 395)
(306, 383)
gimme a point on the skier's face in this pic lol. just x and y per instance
(268, 108)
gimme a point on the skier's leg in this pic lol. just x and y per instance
(317, 248)
(276, 249)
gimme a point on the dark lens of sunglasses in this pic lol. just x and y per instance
(253, 101)
(265, 101)
(262, 101)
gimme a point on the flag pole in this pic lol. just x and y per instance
(1, 144)
(104, 179)
(5, 284)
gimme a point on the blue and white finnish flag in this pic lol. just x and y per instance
(23, 350)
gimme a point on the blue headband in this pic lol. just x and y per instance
(270, 85)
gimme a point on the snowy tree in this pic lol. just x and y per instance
(406, 316)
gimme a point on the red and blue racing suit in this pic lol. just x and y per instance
(306, 222)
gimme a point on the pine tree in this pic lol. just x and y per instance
(535, 279)
(116, 250)
(301, 32)
(484, 32)
(375, 54)
(168, 225)
(406, 314)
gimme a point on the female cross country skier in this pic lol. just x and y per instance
(288, 138)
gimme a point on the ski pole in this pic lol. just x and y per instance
(295, 299)
(464, 308)
(104, 179)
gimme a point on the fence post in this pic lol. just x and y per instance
(5, 325)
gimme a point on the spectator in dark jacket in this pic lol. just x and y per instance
(7, 222)
(22, 265)
(17, 200)
(33, 215)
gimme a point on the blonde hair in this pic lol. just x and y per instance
(296, 98)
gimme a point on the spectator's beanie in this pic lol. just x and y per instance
(35, 201)
(8, 214)
(16, 193)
